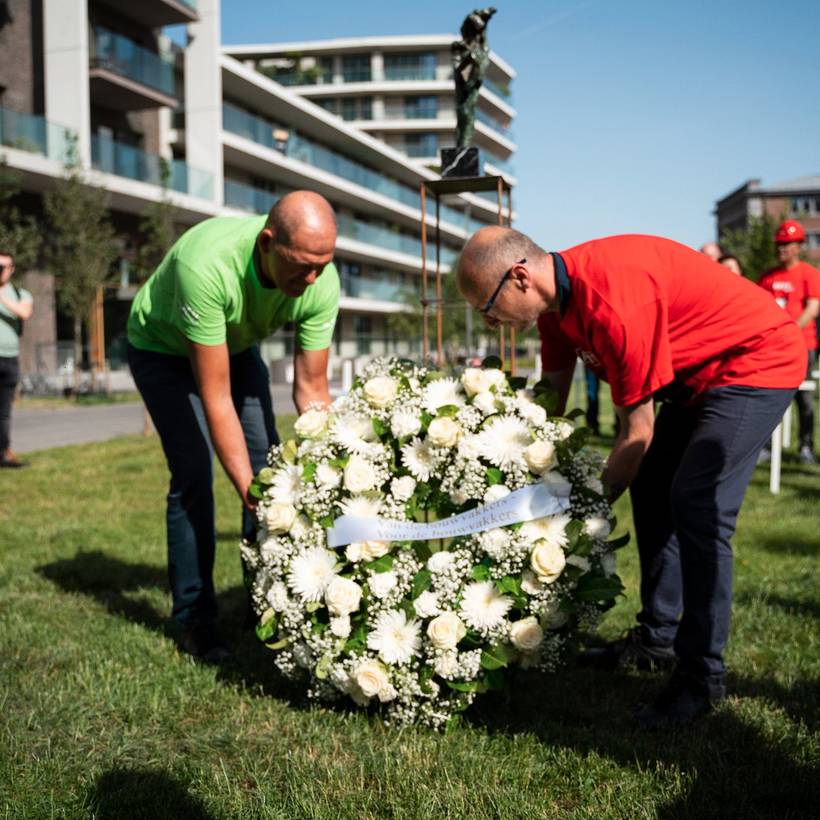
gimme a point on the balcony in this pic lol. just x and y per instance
(494, 123)
(127, 161)
(247, 198)
(35, 134)
(361, 287)
(412, 111)
(499, 90)
(127, 77)
(503, 165)
(156, 13)
(297, 147)
(384, 237)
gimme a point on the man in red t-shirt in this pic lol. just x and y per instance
(658, 321)
(795, 286)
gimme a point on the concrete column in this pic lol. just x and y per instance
(378, 107)
(338, 70)
(67, 96)
(203, 95)
(377, 66)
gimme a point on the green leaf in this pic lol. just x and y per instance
(574, 414)
(255, 489)
(426, 418)
(494, 476)
(508, 585)
(289, 451)
(495, 657)
(583, 546)
(313, 606)
(382, 564)
(491, 363)
(323, 667)
(265, 475)
(463, 686)
(547, 399)
(481, 573)
(573, 533)
(598, 588)
(579, 438)
(421, 583)
(379, 428)
(422, 550)
(620, 541)
(472, 640)
(327, 521)
(517, 382)
(308, 472)
(494, 678)
(266, 628)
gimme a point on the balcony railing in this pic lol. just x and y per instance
(504, 165)
(127, 161)
(247, 198)
(124, 57)
(258, 130)
(363, 288)
(495, 124)
(353, 228)
(409, 72)
(411, 112)
(499, 90)
(35, 134)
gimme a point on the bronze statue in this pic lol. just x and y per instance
(471, 56)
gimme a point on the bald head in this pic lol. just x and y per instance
(300, 215)
(712, 250)
(488, 253)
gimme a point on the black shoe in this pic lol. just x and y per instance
(806, 455)
(201, 640)
(681, 701)
(629, 652)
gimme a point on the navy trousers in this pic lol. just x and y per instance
(685, 502)
(169, 390)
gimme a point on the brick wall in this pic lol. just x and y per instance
(38, 346)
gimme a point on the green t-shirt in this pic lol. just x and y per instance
(207, 289)
(9, 323)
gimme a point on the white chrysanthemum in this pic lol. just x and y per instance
(361, 505)
(285, 485)
(551, 529)
(503, 441)
(427, 605)
(417, 457)
(311, 572)
(354, 432)
(404, 422)
(440, 393)
(483, 606)
(394, 638)
(381, 583)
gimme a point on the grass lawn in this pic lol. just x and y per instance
(102, 717)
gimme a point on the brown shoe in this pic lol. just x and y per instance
(11, 460)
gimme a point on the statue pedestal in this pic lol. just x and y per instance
(460, 162)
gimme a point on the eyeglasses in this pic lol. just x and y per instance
(491, 301)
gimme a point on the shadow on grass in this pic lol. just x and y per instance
(789, 545)
(109, 581)
(152, 794)
(733, 767)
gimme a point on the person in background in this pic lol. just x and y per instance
(712, 250)
(731, 262)
(16, 305)
(795, 286)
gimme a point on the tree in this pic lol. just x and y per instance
(754, 245)
(19, 234)
(81, 247)
(157, 228)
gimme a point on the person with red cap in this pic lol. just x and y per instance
(795, 286)
(659, 322)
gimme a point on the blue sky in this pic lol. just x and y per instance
(633, 116)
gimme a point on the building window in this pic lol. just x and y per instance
(331, 105)
(364, 330)
(421, 108)
(421, 145)
(805, 205)
(415, 66)
(356, 68)
(357, 108)
(813, 241)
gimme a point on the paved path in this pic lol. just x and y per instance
(42, 428)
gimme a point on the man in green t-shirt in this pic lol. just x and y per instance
(16, 306)
(193, 332)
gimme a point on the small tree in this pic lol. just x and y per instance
(81, 245)
(19, 234)
(157, 229)
(754, 245)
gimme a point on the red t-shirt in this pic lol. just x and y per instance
(791, 289)
(645, 311)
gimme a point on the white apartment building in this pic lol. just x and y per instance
(108, 79)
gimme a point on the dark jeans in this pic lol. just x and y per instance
(805, 407)
(593, 384)
(169, 391)
(9, 376)
(685, 502)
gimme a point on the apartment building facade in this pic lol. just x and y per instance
(102, 77)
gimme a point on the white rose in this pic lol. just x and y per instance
(374, 549)
(496, 493)
(404, 423)
(564, 429)
(485, 402)
(359, 475)
(458, 497)
(426, 605)
(311, 424)
(340, 626)
(608, 564)
(402, 488)
(496, 378)
(381, 583)
(328, 476)
(370, 677)
(342, 596)
(579, 561)
(443, 432)
(530, 583)
(474, 380)
(557, 483)
(526, 634)
(380, 391)
(446, 630)
(279, 517)
(540, 456)
(533, 413)
(547, 561)
(440, 561)
(597, 527)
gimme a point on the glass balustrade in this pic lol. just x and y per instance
(495, 124)
(499, 89)
(124, 57)
(35, 134)
(247, 198)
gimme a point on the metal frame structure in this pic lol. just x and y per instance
(439, 188)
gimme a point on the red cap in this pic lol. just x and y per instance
(790, 231)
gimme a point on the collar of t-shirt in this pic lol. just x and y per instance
(563, 285)
(257, 268)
